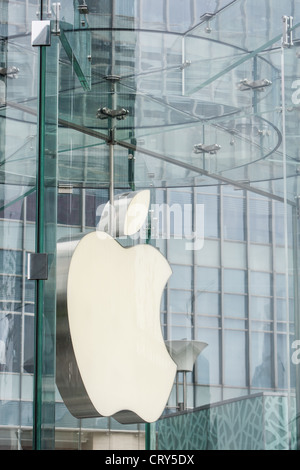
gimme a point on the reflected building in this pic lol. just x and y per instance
(212, 132)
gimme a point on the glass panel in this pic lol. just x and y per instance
(262, 360)
(181, 277)
(208, 279)
(180, 301)
(261, 308)
(260, 257)
(233, 216)
(211, 214)
(259, 222)
(260, 283)
(235, 358)
(208, 363)
(207, 303)
(235, 305)
(234, 281)
(234, 255)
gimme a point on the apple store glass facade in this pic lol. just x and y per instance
(197, 102)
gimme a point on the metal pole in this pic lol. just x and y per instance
(184, 390)
(112, 120)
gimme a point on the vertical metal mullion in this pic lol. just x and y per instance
(286, 249)
(221, 222)
(22, 318)
(113, 9)
(194, 289)
(248, 294)
(40, 242)
(166, 204)
(166, 19)
(273, 242)
(297, 320)
(183, 68)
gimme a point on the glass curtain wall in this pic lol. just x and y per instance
(207, 100)
(19, 133)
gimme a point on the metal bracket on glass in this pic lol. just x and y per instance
(207, 17)
(287, 37)
(257, 85)
(48, 13)
(56, 27)
(37, 266)
(83, 8)
(65, 188)
(211, 149)
(9, 72)
(185, 64)
(105, 113)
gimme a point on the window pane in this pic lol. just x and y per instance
(153, 11)
(234, 281)
(234, 255)
(180, 301)
(207, 303)
(281, 285)
(181, 277)
(281, 361)
(235, 306)
(181, 320)
(260, 257)
(179, 215)
(181, 333)
(211, 214)
(208, 362)
(261, 308)
(233, 216)
(10, 288)
(260, 283)
(208, 279)
(10, 342)
(259, 215)
(261, 357)
(235, 358)
(11, 262)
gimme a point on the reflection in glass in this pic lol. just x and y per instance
(234, 281)
(261, 308)
(10, 334)
(233, 216)
(181, 277)
(262, 360)
(235, 305)
(208, 279)
(235, 368)
(260, 220)
(260, 283)
(207, 303)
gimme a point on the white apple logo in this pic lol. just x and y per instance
(116, 363)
